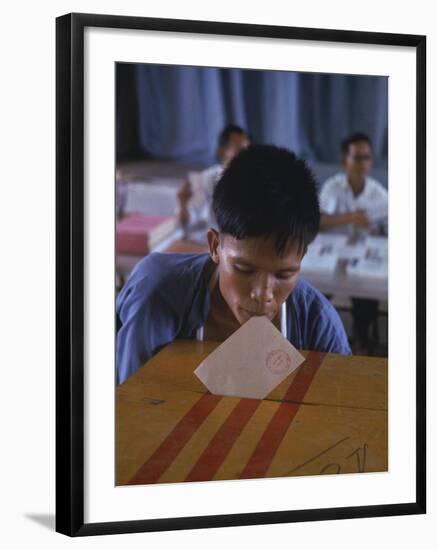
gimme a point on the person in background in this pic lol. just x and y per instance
(352, 202)
(267, 213)
(121, 187)
(195, 194)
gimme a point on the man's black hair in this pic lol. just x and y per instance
(354, 138)
(266, 191)
(225, 134)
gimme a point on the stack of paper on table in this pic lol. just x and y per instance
(323, 253)
(155, 197)
(373, 259)
(251, 362)
(381, 243)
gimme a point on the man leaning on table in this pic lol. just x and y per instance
(354, 203)
(267, 213)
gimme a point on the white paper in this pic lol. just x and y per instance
(323, 253)
(197, 181)
(373, 261)
(157, 197)
(251, 362)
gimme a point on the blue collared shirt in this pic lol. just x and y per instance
(167, 297)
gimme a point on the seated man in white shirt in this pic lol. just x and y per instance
(352, 202)
(195, 195)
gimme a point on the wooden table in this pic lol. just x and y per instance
(327, 417)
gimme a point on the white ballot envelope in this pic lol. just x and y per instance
(251, 362)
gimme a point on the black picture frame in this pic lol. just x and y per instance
(70, 273)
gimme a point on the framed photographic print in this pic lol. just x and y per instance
(240, 274)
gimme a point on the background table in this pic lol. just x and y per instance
(124, 263)
(329, 416)
(343, 285)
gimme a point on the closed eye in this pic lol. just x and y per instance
(245, 271)
(288, 275)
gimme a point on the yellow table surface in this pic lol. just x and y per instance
(329, 416)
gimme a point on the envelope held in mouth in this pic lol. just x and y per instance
(251, 362)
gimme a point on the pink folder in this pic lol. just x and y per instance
(137, 233)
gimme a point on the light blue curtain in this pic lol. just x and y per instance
(334, 106)
(181, 110)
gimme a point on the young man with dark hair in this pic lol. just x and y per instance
(267, 212)
(195, 198)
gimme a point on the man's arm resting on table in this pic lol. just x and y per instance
(184, 195)
(183, 214)
(147, 317)
(357, 218)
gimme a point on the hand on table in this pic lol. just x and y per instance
(185, 192)
(360, 219)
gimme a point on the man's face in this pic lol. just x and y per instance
(236, 143)
(358, 161)
(253, 278)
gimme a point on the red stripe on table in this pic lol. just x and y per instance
(275, 432)
(218, 448)
(165, 454)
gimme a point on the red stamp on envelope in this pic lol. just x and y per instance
(278, 362)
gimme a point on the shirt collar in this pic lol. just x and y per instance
(346, 185)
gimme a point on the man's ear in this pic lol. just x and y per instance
(213, 237)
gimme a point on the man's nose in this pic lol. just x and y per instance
(262, 290)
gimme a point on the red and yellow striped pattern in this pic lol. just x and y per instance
(168, 429)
